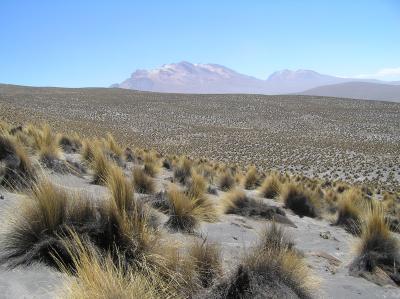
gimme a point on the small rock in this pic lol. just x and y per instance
(325, 235)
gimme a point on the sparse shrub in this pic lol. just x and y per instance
(226, 181)
(251, 178)
(300, 200)
(207, 261)
(377, 248)
(16, 170)
(270, 270)
(271, 186)
(142, 182)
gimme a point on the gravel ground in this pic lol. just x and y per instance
(353, 140)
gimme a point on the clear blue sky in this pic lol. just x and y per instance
(97, 43)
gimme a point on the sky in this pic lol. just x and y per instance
(97, 43)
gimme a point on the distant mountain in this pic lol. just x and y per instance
(287, 81)
(358, 90)
(185, 77)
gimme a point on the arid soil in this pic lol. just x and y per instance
(328, 137)
(327, 249)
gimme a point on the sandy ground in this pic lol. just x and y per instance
(328, 258)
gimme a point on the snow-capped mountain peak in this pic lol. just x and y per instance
(186, 77)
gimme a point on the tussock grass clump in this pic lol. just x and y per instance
(226, 181)
(251, 178)
(301, 201)
(233, 201)
(16, 170)
(183, 212)
(142, 182)
(206, 210)
(4, 127)
(167, 164)
(377, 248)
(271, 186)
(98, 277)
(186, 212)
(206, 170)
(48, 214)
(237, 202)
(350, 208)
(113, 146)
(183, 171)
(120, 189)
(129, 155)
(47, 145)
(207, 262)
(151, 168)
(331, 199)
(197, 185)
(33, 227)
(273, 269)
(341, 187)
(100, 166)
(70, 143)
(88, 149)
(392, 211)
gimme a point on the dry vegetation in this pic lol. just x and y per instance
(273, 269)
(113, 246)
(351, 140)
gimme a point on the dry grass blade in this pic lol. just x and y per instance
(99, 276)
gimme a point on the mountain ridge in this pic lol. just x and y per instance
(186, 77)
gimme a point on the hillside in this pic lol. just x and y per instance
(358, 90)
